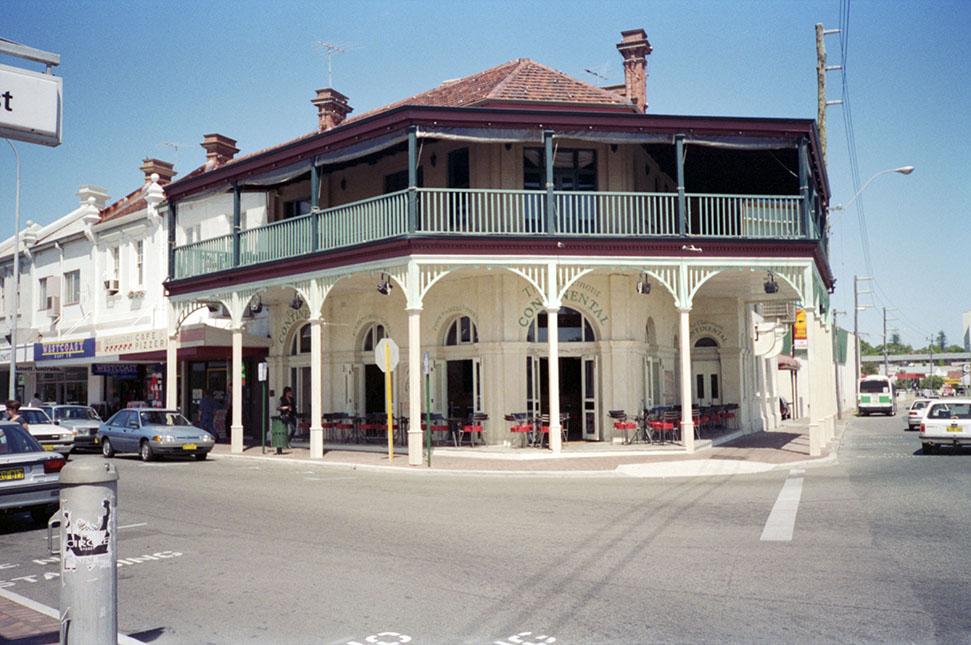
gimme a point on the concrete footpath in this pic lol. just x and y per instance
(726, 455)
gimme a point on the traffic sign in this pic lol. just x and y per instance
(380, 356)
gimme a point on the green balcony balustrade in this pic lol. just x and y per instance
(495, 212)
(365, 221)
(744, 216)
(467, 211)
(620, 214)
(207, 256)
(283, 239)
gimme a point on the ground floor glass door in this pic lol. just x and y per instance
(706, 379)
(579, 400)
(589, 382)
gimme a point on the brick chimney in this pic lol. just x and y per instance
(635, 49)
(332, 108)
(164, 169)
(219, 149)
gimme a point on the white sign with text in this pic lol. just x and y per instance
(30, 106)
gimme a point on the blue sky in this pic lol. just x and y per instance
(139, 75)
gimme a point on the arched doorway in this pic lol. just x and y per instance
(578, 367)
(706, 372)
(460, 379)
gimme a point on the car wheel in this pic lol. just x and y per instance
(201, 456)
(146, 452)
(928, 448)
(40, 514)
(106, 449)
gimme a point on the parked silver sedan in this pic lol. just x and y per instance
(29, 475)
(82, 420)
(152, 432)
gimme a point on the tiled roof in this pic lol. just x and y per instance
(130, 203)
(518, 81)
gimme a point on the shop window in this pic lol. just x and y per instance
(573, 328)
(72, 287)
(371, 337)
(139, 263)
(706, 341)
(462, 332)
(42, 294)
(301, 341)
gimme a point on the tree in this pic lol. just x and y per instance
(931, 382)
(868, 369)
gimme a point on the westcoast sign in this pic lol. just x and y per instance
(61, 350)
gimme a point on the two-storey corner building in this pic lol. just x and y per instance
(550, 247)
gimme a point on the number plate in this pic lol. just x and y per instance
(189, 446)
(12, 474)
(954, 428)
(48, 447)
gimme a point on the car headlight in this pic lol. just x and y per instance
(67, 437)
(205, 436)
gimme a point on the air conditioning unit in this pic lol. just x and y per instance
(111, 286)
(53, 306)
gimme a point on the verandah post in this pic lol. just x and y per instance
(314, 206)
(412, 179)
(550, 197)
(804, 187)
(682, 201)
(236, 223)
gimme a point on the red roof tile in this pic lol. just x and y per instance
(518, 81)
(130, 203)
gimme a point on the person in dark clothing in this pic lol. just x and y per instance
(13, 414)
(288, 411)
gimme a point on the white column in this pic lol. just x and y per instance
(236, 430)
(172, 372)
(316, 402)
(414, 387)
(553, 340)
(684, 340)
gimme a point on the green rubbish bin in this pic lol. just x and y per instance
(278, 434)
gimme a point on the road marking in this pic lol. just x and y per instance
(131, 526)
(521, 639)
(782, 519)
(51, 612)
(378, 639)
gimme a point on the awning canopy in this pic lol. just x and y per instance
(787, 362)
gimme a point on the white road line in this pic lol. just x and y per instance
(51, 612)
(782, 519)
(131, 526)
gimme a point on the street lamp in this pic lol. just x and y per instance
(903, 170)
(12, 389)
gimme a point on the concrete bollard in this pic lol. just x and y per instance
(89, 554)
(815, 440)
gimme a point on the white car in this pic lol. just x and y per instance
(946, 423)
(916, 413)
(49, 434)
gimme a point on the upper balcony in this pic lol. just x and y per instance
(630, 178)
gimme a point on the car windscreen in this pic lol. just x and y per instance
(153, 418)
(13, 439)
(874, 386)
(76, 413)
(950, 411)
(918, 405)
(35, 416)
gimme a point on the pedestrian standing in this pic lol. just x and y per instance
(36, 402)
(13, 414)
(288, 412)
(207, 412)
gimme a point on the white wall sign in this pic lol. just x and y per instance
(30, 106)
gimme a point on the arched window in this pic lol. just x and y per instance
(301, 341)
(706, 341)
(573, 328)
(462, 331)
(371, 337)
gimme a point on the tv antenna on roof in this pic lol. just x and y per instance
(175, 146)
(331, 49)
(599, 72)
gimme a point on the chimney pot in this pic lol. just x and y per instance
(219, 148)
(635, 48)
(332, 108)
(163, 169)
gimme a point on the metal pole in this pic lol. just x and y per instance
(89, 553)
(682, 202)
(12, 389)
(836, 365)
(388, 400)
(263, 417)
(886, 366)
(428, 418)
(856, 333)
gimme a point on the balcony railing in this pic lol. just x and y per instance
(482, 212)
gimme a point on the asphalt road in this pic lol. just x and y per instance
(871, 548)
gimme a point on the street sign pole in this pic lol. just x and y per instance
(262, 373)
(387, 399)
